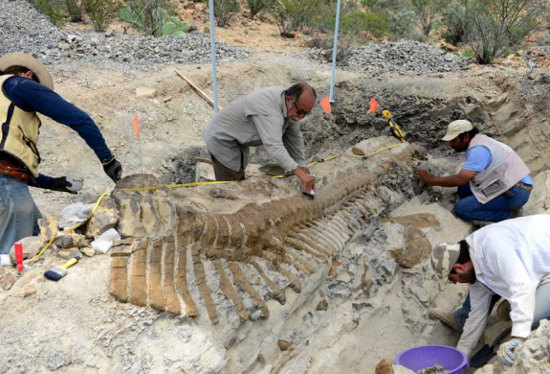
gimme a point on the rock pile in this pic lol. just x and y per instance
(404, 57)
(25, 30)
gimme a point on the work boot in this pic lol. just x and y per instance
(384, 367)
(517, 212)
(503, 310)
(480, 224)
(445, 317)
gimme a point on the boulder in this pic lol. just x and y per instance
(104, 218)
(31, 246)
(75, 214)
(539, 201)
(68, 239)
(48, 228)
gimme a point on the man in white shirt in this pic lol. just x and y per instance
(511, 259)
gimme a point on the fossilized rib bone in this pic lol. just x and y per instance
(183, 260)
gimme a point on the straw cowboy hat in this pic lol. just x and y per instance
(21, 59)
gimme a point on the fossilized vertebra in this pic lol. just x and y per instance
(183, 260)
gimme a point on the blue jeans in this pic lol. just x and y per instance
(18, 212)
(542, 307)
(496, 210)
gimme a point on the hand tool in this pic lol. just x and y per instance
(19, 256)
(395, 129)
(310, 195)
(58, 272)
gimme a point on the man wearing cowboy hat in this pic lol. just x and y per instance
(510, 259)
(493, 183)
(26, 88)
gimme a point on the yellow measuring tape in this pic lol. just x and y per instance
(41, 252)
(192, 184)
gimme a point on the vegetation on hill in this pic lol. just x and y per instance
(489, 28)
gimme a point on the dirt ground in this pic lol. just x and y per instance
(171, 119)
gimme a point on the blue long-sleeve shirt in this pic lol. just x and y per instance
(35, 97)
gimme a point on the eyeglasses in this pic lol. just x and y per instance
(301, 112)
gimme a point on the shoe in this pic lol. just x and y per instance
(445, 317)
(503, 310)
(384, 367)
(480, 224)
(517, 212)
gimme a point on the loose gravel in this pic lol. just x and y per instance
(24, 29)
(404, 57)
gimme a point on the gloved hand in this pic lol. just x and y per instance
(54, 184)
(61, 184)
(506, 350)
(112, 168)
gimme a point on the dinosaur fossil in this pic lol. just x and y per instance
(185, 258)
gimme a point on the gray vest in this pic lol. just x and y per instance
(505, 170)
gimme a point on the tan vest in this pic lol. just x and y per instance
(505, 170)
(18, 131)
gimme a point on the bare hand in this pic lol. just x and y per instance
(423, 175)
(305, 176)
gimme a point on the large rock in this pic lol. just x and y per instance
(532, 357)
(75, 214)
(49, 226)
(104, 218)
(417, 248)
(68, 239)
(539, 201)
(31, 247)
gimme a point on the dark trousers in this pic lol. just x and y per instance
(496, 210)
(223, 173)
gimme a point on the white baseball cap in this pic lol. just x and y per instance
(456, 128)
(444, 256)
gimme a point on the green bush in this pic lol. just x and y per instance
(500, 26)
(324, 19)
(375, 25)
(544, 39)
(51, 9)
(468, 53)
(401, 23)
(256, 6)
(151, 18)
(381, 5)
(101, 12)
(291, 15)
(74, 10)
(393, 17)
(427, 13)
(457, 21)
(224, 10)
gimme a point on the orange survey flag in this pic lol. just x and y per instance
(136, 126)
(373, 105)
(325, 104)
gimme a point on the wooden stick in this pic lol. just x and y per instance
(197, 90)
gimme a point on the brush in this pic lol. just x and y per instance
(58, 272)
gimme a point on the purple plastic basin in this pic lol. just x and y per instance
(425, 356)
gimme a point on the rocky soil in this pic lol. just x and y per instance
(25, 30)
(403, 57)
(76, 326)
